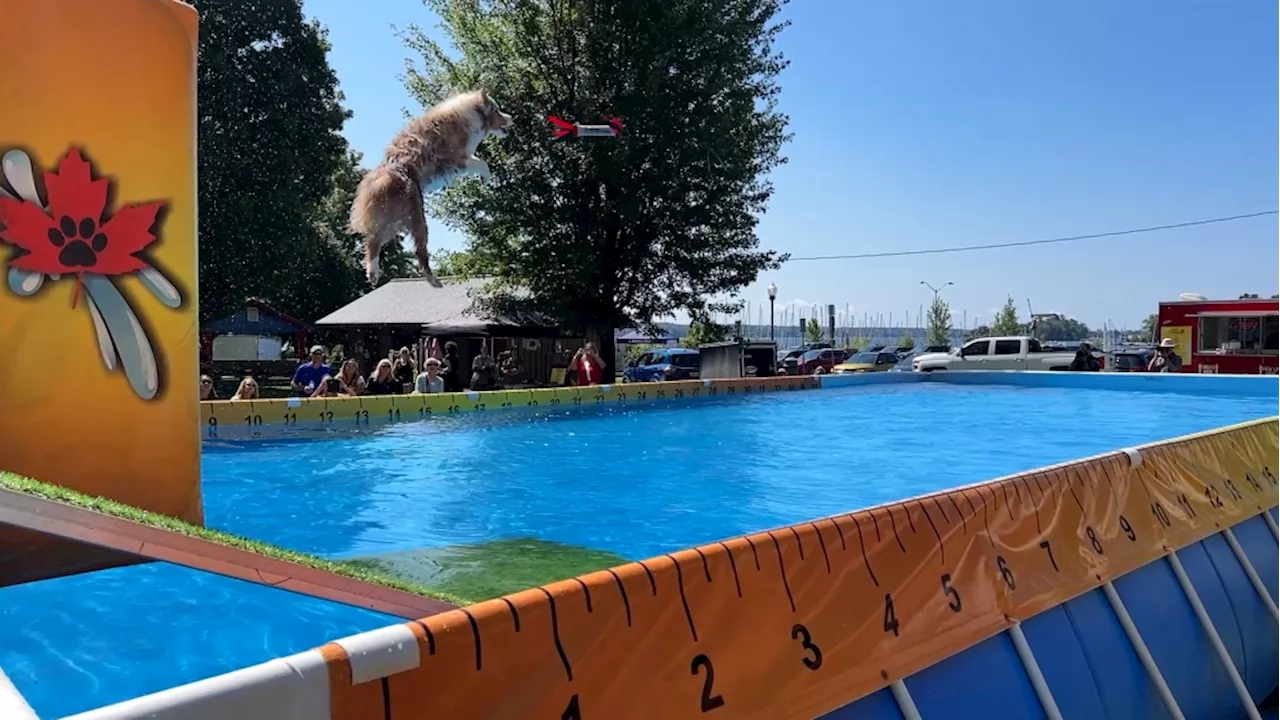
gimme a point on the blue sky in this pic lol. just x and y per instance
(937, 124)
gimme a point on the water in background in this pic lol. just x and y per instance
(637, 482)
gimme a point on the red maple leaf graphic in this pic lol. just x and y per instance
(76, 236)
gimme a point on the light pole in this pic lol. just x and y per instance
(773, 295)
(936, 290)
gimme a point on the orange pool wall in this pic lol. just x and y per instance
(117, 80)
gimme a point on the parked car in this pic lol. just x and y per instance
(904, 364)
(817, 362)
(867, 362)
(664, 364)
(1000, 353)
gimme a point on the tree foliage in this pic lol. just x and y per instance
(275, 174)
(906, 340)
(1059, 328)
(813, 331)
(1006, 320)
(612, 233)
(1149, 325)
(938, 322)
(702, 332)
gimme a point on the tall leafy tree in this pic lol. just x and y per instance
(1006, 321)
(938, 323)
(609, 233)
(270, 151)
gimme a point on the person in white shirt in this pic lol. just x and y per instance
(429, 380)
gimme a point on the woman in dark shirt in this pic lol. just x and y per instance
(453, 371)
(382, 382)
(403, 370)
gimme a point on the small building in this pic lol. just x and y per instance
(256, 332)
(1223, 336)
(408, 312)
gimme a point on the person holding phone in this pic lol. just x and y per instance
(328, 387)
(587, 365)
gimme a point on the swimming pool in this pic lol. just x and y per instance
(627, 482)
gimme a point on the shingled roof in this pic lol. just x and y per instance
(416, 302)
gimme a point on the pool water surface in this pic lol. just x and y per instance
(625, 482)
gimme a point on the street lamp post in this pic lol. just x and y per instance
(936, 290)
(773, 295)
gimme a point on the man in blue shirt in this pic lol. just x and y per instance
(309, 374)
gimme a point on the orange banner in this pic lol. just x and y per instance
(98, 259)
(242, 419)
(798, 621)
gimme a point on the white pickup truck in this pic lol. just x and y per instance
(995, 353)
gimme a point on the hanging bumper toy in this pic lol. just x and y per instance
(563, 128)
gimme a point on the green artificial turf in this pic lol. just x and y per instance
(491, 569)
(357, 571)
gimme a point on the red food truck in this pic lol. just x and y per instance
(1223, 336)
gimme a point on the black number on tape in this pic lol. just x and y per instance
(1128, 529)
(746, 389)
(622, 396)
(1044, 544)
(777, 388)
(213, 426)
(730, 389)
(712, 390)
(599, 398)
(890, 617)
(479, 407)
(1093, 539)
(697, 392)
(393, 415)
(1232, 489)
(801, 633)
(326, 416)
(1266, 472)
(506, 404)
(679, 393)
(641, 395)
(1162, 515)
(554, 401)
(661, 394)
(950, 592)
(253, 420)
(709, 701)
(533, 403)
(572, 712)
(452, 409)
(1185, 504)
(1213, 496)
(362, 417)
(577, 399)
(424, 412)
(1253, 482)
(1005, 572)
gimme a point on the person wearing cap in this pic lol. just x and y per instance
(309, 374)
(1165, 360)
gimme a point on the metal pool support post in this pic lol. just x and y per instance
(905, 704)
(1271, 523)
(1253, 574)
(1144, 655)
(1207, 624)
(1033, 672)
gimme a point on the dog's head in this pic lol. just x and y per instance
(494, 121)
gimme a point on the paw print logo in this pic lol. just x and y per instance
(74, 234)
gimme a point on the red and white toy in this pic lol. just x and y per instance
(563, 128)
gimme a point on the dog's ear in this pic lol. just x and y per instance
(484, 96)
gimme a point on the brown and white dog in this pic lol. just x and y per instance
(428, 154)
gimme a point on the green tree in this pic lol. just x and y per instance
(813, 331)
(1006, 321)
(906, 340)
(457, 264)
(1061, 328)
(269, 150)
(614, 233)
(939, 322)
(1149, 325)
(702, 332)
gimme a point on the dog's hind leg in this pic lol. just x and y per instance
(418, 228)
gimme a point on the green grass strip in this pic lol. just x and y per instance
(357, 571)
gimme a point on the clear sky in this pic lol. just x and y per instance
(937, 124)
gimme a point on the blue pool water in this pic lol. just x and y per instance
(637, 482)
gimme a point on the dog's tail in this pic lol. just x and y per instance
(375, 192)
